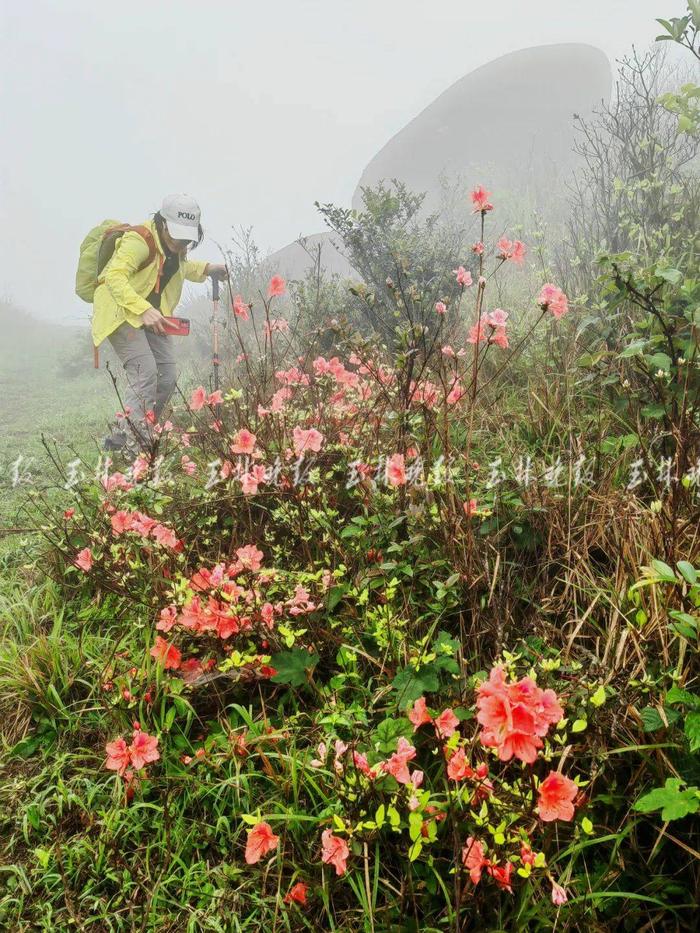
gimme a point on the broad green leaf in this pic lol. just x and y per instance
(651, 718)
(692, 730)
(389, 732)
(415, 850)
(293, 667)
(689, 573)
(579, 725)
(673, 802)
(665, 572)
(411, 684)
(415, 825)
(598, 697)
(674, 276)
(678, 695)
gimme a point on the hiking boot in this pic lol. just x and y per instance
(115, 441)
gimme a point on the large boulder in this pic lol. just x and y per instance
(508, 125)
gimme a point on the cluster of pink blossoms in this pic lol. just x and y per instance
(515, 716)
(200, 397)
(225, 604)
(142, 751)
(124, 520)
(553, 299)
(513, 250)
(491, 328)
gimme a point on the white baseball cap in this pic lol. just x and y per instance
(181, 214)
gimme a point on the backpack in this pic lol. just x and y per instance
(98, 248)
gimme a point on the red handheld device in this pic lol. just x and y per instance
(177, 326)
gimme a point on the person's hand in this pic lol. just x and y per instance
(216, 271)
(153, 319)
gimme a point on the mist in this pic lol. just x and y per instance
(257, 111)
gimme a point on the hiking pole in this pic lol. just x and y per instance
(215, 354)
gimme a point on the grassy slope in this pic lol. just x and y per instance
(47, 385)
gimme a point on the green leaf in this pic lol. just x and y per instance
(651, 718)
(335, 595)
(678, 695)
(664, 572)
(674, 276)
(598, 697)
(293, 667)
(415, 825)
(415, 850)
(692, 730)
(673, 802)
(579, 725)
(659, 361)
(688, 572)
(411, 684)
(389, 732)
(587, 826)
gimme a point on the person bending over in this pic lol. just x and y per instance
(132, 298)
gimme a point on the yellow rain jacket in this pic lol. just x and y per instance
(123, 287)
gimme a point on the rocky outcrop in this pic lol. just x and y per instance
(507, 125)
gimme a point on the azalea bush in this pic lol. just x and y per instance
(317, 659)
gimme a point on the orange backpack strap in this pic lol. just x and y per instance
(110, 236)
(146, 235)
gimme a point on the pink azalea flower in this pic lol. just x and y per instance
(556, 795)
(512, 250)
(261, 840)
(478, 248)
(167, 619)
(498, 317)
(464, 276)
(480, 199)
(84, 559)
(198, 399)
(249, 558)
(440, 307)
(395, 470)
(304, 441)
(445, 724)
(334, 851)
(478, 331)
(470, 508)
(297, 894)
(397, 765)
(166, 654)
(188, 466)
(216, 398)
(473, 859)
(500, 338)
(553, 299)
(143, 749)
(243, 442)
(456, 393)
(447, 350)
(118, 757)
(559, 895)
(419, 715)
(501, 875)
(515, 716)
(277, 286)
(458, 768)
(240, 308)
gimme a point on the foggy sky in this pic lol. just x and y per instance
(256, 109)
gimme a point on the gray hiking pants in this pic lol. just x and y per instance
(151, 373)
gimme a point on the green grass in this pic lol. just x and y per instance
(48, 386)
